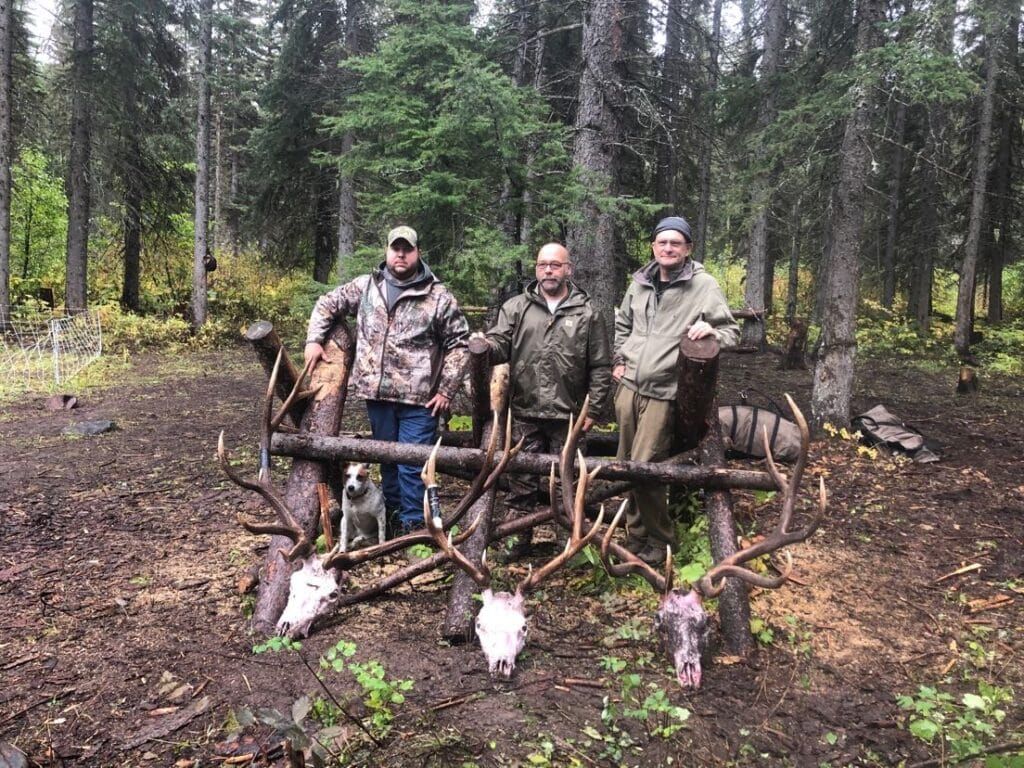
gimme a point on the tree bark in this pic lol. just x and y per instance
(899, 124)
(325, 226)
(322, 418)
(733, 604)
(707, 148)
(458, 620)
(666, 167)
(266, 344)
(202, 188)
(466, 459)
(695, 393)
(77, 294)
(598, 134)
(1002, 216)
(754, 294)
(834, 368)
(965, 288)
(132, 225)
(6, 159)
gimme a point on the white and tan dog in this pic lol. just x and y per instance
(362, 509)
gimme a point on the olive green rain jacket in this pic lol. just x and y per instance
(648, 328)
(556, 359)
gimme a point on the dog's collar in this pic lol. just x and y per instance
(366, 489)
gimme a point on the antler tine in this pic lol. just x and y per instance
(781, 536)
(629, 563)
(286, 527)
(569, 450)
(293, 395)
(577, 539)
(432, 516)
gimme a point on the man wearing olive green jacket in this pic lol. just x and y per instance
(671, 295)
(557, 347)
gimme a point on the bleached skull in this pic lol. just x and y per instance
(501, 629)
(312, 591)
(682, 625)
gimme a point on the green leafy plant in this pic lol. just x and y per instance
(966, 725)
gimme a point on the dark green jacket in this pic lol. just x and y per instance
(556, 359)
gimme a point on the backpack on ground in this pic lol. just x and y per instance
(880, 427)
(742, 428)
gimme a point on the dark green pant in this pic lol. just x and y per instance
(646, 429)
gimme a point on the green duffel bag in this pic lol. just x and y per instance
(742, 428)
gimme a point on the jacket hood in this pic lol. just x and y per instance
(425, 276)
(645, 275)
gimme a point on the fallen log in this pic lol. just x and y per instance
(459, 617)
(733, 603)
(324, 448)
(322, 418)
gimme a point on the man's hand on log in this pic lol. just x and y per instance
(313, 352)
(699, 330)
(587, 424)
(438, 404)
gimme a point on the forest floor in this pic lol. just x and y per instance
(125, 639)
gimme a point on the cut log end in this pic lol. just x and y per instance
(968, 381)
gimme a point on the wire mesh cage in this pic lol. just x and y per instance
(45, 350)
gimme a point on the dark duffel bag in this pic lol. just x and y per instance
(742, 428)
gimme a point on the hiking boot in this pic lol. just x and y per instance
(634, 544)
(653, 554)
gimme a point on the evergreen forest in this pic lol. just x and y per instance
(854, 164)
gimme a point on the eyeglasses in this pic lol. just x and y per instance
(553, 265)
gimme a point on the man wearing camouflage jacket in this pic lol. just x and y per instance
(411, 350)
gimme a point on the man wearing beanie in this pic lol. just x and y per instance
(411, 348)
(671, 295)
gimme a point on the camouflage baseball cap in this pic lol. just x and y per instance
(402, 233)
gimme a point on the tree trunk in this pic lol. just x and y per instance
(598, 135)
(6, 160)
(754, 295)
(834, 368)
(733, 603)
(965, 288)
(325, 226)
(76, 296)
(218, 162)
(1002, 183)
(666, 167)
(132, 224)
(202, 190)
(899, 125)
(708, 135)
(322, 418)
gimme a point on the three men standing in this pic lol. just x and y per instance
(670, 295)
(411, 349)
(557, 348)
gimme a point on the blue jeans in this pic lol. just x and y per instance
(402, 486)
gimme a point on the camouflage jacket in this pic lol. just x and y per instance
(557, 359)
(403, 356)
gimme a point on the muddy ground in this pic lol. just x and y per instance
(125, 641)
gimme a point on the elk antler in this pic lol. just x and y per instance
(577, 539)
(286, 525)
(781, 536)
(483, 482)
(432, 516)
(629, 563)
